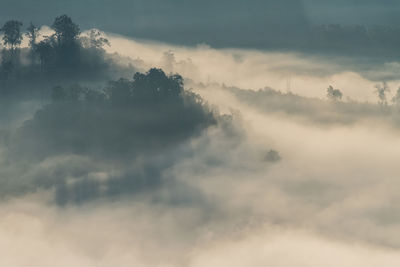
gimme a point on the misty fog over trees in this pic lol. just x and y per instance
(199, 133)
(146, 115)
(127, 117)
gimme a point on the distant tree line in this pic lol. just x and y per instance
(381, 90)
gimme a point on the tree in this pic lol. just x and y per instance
(396, 98)
(334, 94)
(66, 31)
(32, 34)
(12, 33)
(381, 90)
(273, 156)
(156, 84)
(95, 39)
(45, 51)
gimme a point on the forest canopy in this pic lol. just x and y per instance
(148, 113)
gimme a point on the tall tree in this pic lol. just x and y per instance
(66, 31)
(12, 33)
(32, 33)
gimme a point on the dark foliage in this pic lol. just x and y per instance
(145, 119)
(62, 56)
(12, 36)
(129, 117)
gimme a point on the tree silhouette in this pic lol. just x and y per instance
(94, 39)
(32, 33)
(66, 31)
(61, 56)
(381, 90)
(45, 50)
(12, 38)
(156, 84)
(396, 98)
(334, 94)
(153, 85)
(12, 33)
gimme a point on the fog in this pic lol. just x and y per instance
(243, 160)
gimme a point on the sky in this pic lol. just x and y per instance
(172, 145)
(220, 23)
(353, 11)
